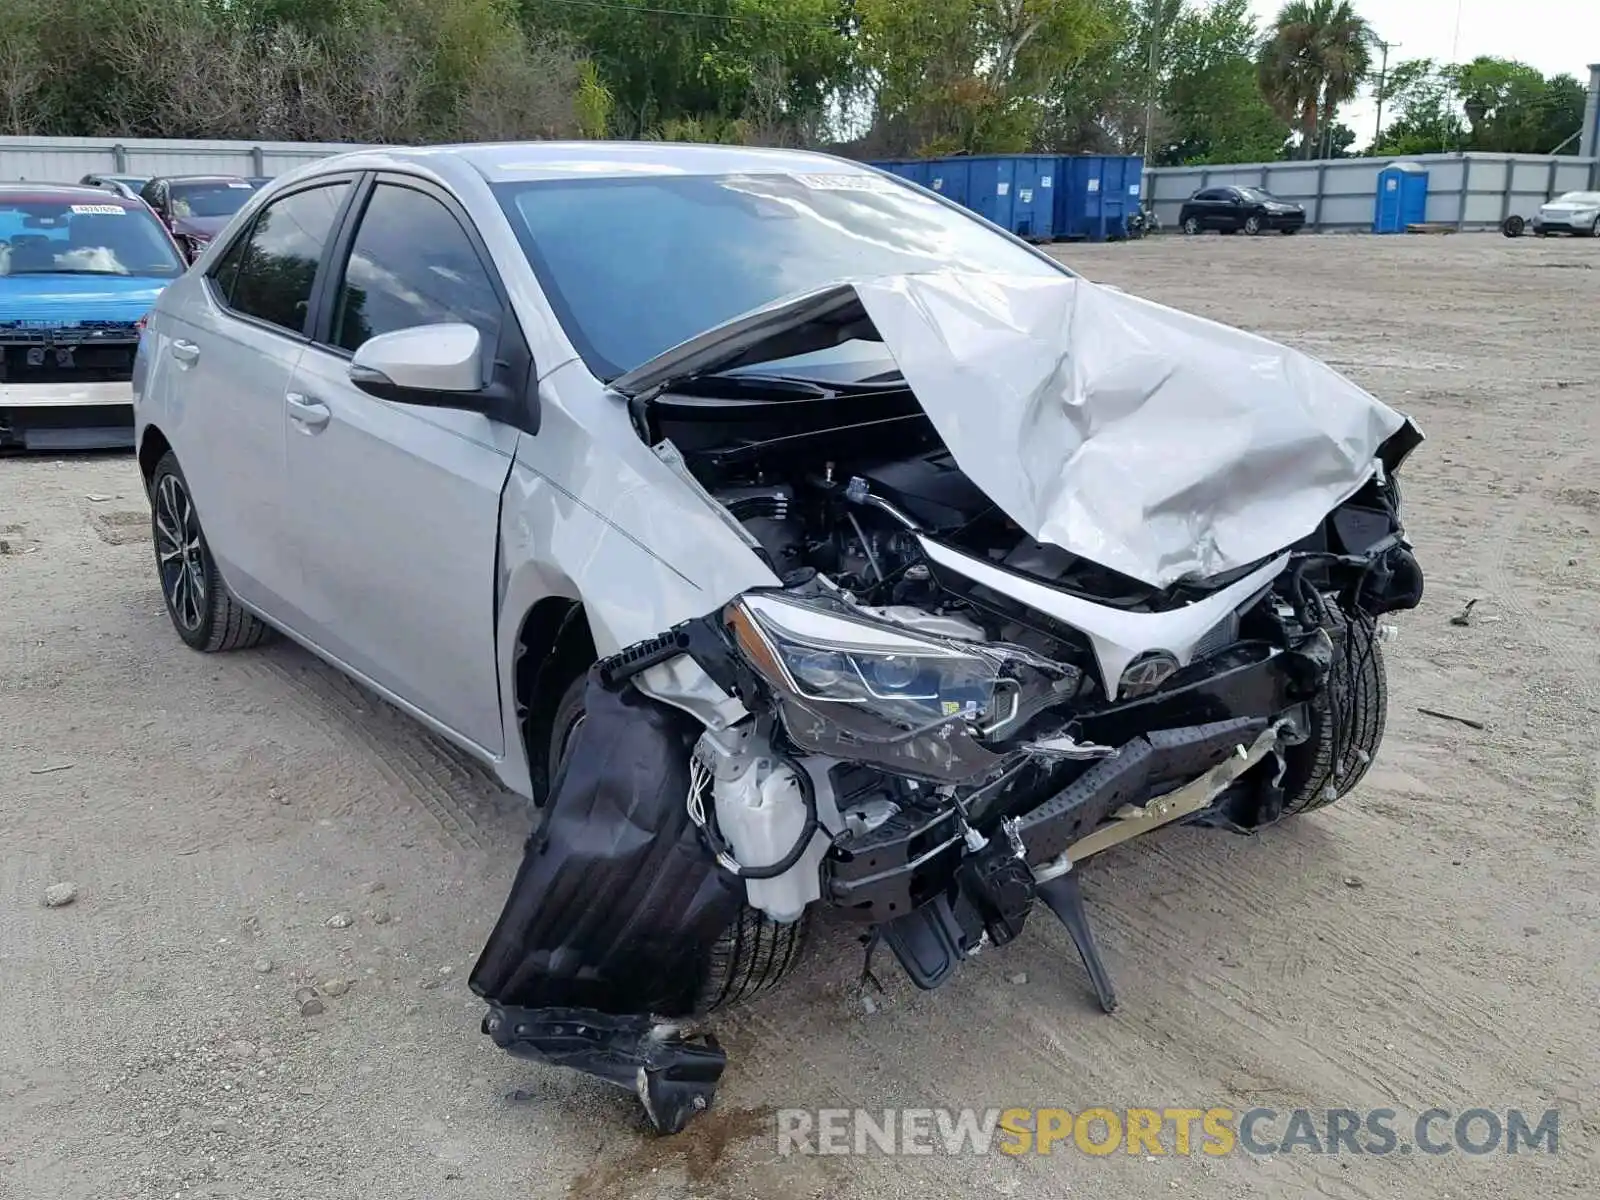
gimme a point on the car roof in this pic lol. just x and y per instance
(65, 193)
(504, 162)
(197, 178)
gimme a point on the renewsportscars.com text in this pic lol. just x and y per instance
(1165, 1131)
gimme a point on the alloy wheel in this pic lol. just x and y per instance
(1252, 225)
(1192, 225)
(180, 557)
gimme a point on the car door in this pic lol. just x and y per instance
(1232, 210)
(394, 508)
(234, 351)
(1206, 206)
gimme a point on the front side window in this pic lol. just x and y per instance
(411, 264)
(633, 266)
(278, 261)
(88, 236)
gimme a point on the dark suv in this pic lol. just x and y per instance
(1230, 209)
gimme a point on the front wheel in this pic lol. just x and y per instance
(206, 617)
(755, 953)
(1252, 225)
(1347, 720)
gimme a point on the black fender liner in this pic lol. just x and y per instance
(608, 930)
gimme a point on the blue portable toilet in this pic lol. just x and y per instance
(1095, 193)
(1402, 198)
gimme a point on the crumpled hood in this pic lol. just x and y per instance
(1156, 443)
(1153, 442)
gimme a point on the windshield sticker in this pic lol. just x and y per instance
(244, 186)
(100, 209)
(1094, 185)
(846, 183)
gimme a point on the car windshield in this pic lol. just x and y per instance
(1580, 198)
(214, 199)
(1251, 193)
(92, 237)
(635, 266)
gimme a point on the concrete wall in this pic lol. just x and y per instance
(66, 160)
(1469, 191)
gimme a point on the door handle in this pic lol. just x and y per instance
(185, 352)
(310, 414)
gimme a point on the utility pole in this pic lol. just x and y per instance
(1383, 79)
(1150, 94)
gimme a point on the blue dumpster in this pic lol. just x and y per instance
(913, 169)
(1402, 198)
(1015, 191)
(1095, 193)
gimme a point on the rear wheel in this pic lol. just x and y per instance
(755, 953)
(206, 617)
(1347, 721)
(1191, 225)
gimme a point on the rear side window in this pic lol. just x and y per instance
(411, 264)
(277, 259)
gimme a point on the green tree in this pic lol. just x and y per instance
(1314, 58)
(716, 62)
(1212, 103)
(1421, 96)
(970, 75)
(1489, 104)
(1511, 107)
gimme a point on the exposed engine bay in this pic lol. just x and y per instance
(929, 720)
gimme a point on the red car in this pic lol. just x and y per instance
(196, 207)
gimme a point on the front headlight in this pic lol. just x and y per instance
(827, 657)
(852, 688)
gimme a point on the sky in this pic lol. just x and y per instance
(1553, 35)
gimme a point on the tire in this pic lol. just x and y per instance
(1513, 226)
(205, 616)
(1252, 225)
(1191, 225)
(755, 953)
(1290, 231)
(1594, 230)
(1347, 721)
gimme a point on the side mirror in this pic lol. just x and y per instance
(438, 365)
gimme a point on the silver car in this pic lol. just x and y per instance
(1576, 213)
(790, 537)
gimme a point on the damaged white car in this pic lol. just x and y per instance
(789, 536)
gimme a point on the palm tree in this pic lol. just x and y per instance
(1313, 59)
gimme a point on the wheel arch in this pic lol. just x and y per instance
(553, 643)
(152, 446)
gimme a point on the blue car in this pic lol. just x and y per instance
(79, 269)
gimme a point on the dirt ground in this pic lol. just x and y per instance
(240, 826)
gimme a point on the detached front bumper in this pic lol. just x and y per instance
(67, 416)
(1161, 742)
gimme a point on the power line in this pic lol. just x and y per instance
(738, 18)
